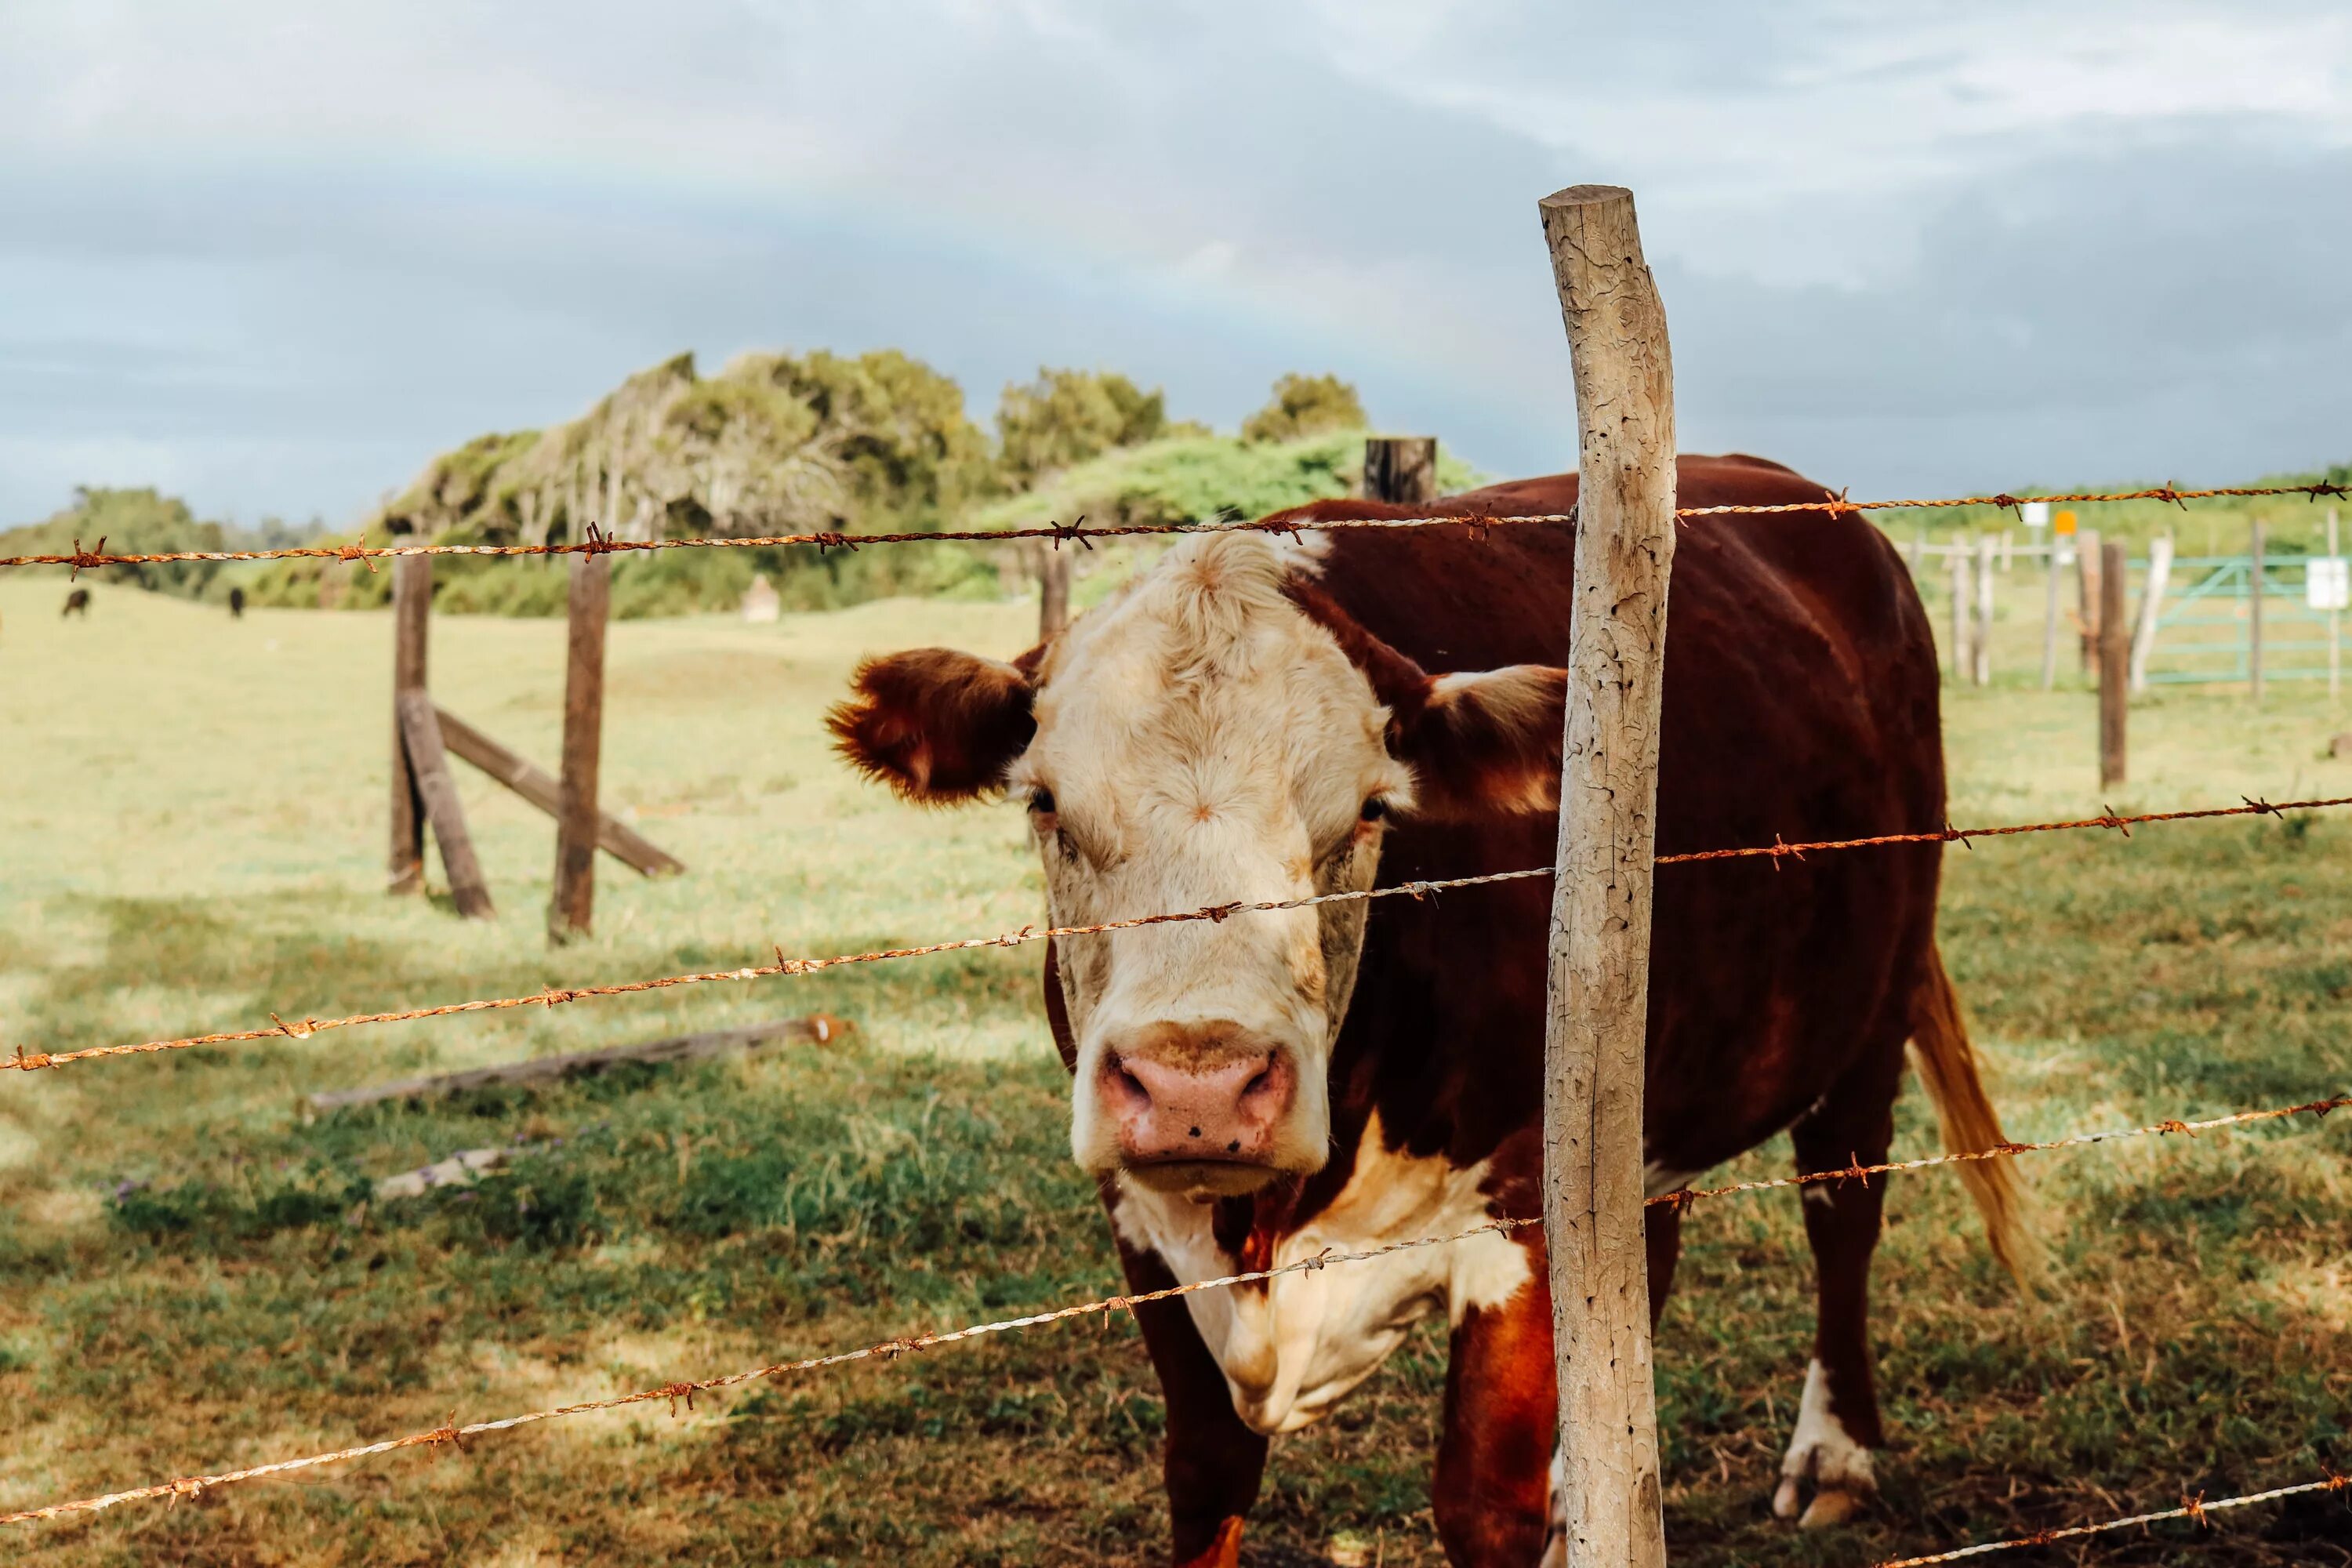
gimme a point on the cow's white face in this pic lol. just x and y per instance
(1204, 739)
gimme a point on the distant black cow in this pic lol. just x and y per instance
(77, 604)
(237, 603)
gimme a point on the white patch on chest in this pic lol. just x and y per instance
(1294, 1348)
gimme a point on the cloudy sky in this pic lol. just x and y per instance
(273, 255)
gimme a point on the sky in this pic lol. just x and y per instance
(273, 257)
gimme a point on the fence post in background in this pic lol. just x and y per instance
(411, 608)
(1596, 1023)
(1963, 621)
(1401, 469)
(2254, 618)
(1053, 589)
(2050, 620)
(2335, 626)
(1918, 550)
(1980, 665)
(2008, 553)
(2151, 602)
(2115, 663)
(572, 911)
(2087, 554)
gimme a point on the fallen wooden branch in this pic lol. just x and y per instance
(613, 837)
(820, 1027)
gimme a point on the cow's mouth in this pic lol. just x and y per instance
(1201, 1181)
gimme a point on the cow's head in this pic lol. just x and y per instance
(1220, 732)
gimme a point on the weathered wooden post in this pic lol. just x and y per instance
(1053, 589)
(2151, 605)
(572, 911)
(2335, 627)
(412, 609)
(2115, 663)
(2254, 618)
(1595, 1032)
(1980, 664)
(1401, 469)
(2050, 620)
(1963, 619)
(2087, 555)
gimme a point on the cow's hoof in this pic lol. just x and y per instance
(1821, 1452)
(1831, 1505)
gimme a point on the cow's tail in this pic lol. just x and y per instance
(1946, 1064)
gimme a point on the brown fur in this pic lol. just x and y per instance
(937, 726)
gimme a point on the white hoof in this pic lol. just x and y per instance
(1821, 1451)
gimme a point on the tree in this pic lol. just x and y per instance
(1306, 405)
(1065, 416)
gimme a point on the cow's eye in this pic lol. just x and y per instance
(1040, 802)
(1374, 809)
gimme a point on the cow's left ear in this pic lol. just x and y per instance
(937, 726)
(1484, 744)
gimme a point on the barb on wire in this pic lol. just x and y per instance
(2194, 1508)
(452, 1432)
(1478, 523)
(305, 1029)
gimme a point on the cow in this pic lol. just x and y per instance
(1263, 717)
(237, 603)
(77, 604)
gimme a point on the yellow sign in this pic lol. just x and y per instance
(2065, 522)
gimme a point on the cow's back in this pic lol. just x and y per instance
(1801, 702)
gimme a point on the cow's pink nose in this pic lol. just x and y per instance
(1228, 1107)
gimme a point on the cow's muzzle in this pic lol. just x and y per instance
(1199, 1108)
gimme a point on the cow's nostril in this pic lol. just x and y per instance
(1235, 1147)
(1196, 1132)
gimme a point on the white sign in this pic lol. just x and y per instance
(2327, 582)
(2034, 513)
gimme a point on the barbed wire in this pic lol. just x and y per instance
(1080, 531)
(553, 997)
(452, 1432)
(2194, 1508)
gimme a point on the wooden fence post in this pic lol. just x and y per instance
(1401, 469)
(1596, 1027)
(1054, 589)
(1980, 665)
(1963, 620)
(2254, 618)
(2087, 555)
(2115, 663)
(411, 608)
(571, 911)
(2050, 620)
(2151, 605)
(422, 732)
(2335, 627)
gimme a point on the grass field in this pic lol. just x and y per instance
(192, 838)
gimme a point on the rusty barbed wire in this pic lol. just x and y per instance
(302, 1029)
(454, 1434)
(599, 544)
(2194, 1508)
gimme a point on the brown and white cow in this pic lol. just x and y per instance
(1255, 718)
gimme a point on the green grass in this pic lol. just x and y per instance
(191, 1277)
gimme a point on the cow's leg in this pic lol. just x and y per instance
(1492, 1491)
(1837, 1417)
(1211, 1462)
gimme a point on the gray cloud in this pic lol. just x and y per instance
(279, 258)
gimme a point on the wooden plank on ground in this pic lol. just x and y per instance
(820, 1027)
(540, 787)
(431, 766)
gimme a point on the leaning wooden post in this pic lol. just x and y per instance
(1596, 1022)
(1401, 469)
(412, 609)
(2254, 618)
(2115, 663)
(2151, 605)
(572, 911)
(1980, 665)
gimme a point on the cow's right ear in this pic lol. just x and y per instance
(937, 726)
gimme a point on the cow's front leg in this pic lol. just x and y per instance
(1212, 1463)
(1493, 1488)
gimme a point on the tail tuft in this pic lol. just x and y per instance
(1946, 1065)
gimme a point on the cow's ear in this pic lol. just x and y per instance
(937, 726)
(1486, 744)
